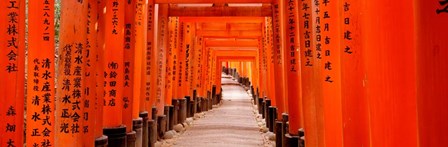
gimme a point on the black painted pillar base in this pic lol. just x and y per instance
(209, 100)
(291, 141)
(137, 126)
(285, 120)
(272, 117)
(116, 136)
(278, 133)
(188, 103)
(154, 113)
(166, 112)
(131, 138)
(170, 118)
(101, 141)
(260, 106)
(152, 132)
(161, 126)
(182, 110)
(145, 134)
(214, 97)
(267, 104)
(195, 102)
(176, 111)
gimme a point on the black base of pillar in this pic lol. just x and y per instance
(101, 141)
(267, 104)
(188, 101)
(161, 126)
(195, 102)
(154, 113)
(137, 126)
(214, 97)
(204, 104)
(166, 112)
(285, 120)
(152, 133)
(175, 111)
(131, 138)
(116, 136)
(263, 104)
(278, 133)
(171, 117)
(145, 134)
(182, 110)
(260, 106)
(292, 141)
(272, 117)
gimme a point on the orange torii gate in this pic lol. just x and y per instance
(335, 71)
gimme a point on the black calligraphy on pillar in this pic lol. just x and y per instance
(318, 38)
(115, 20)
(307, 33)
(181, 54)
(291, 26)
(72, 87)
(12, 31)
(347, 32)
(111, 82)
(327, 16)
(444, 7)
(277, 38)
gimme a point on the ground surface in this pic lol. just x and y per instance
(232, 124)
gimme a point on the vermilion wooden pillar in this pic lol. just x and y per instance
(292, 66)
(12, 73)
(355, 116)
(160, 55)
(277, 29)
(317, 78)
(390, 71)
(90, 65)
(196, 66)
(113, 64)
(169, 61)
(261, 71)
(204, 66)
(99, 102)
(70, 93)
(181, 62)
(40, 101)
(267, 40)
(307, 55)
(431, 58)
(188, 42)
(331, 72)
(139, 63)
(150, 65)
(174, 33)
(129, 65)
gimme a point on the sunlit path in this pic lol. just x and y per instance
(231, 124)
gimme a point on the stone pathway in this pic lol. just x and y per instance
(232, 124)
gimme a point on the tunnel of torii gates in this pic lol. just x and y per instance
(323, 72)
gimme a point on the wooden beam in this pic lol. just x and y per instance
(263, 11)
(230, 34)
(209, 1)
(213, 26)
(231, 43)
(235, 53)
(236, 19)
(234, 59)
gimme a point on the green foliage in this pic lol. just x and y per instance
(57, 18)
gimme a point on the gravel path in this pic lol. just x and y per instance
(232, 124)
